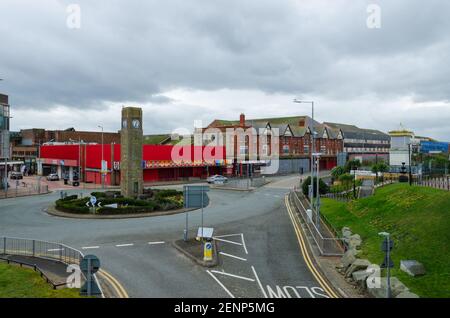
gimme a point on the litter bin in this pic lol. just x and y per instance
(66, 181)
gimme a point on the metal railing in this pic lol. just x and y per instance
(326, 237)
(30, 189)
(442, 183)
(41, 249)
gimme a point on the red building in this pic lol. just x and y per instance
(158, 162)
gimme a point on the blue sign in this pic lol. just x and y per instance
(433, 146)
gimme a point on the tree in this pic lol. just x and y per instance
(336, 172)
(352, 164)
(380, 167)
(323, 188)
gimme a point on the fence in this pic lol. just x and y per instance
(442, 183)
(33, 189)
(41, 249)
(325, 236)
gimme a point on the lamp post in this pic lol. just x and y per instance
(312, 146)
(101, 165)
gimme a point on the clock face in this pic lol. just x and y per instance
(124, 123)
(136, 123)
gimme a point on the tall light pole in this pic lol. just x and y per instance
(101, 165)
(312, 146)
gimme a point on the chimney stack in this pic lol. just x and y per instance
(242, 120)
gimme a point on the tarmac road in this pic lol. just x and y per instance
(260, 255)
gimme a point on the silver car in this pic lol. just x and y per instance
(217, 179)
(53, 177)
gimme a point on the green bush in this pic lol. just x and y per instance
(77, 206)
(323, 188)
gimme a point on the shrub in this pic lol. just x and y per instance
(323, 188)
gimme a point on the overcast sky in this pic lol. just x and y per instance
(186, 60)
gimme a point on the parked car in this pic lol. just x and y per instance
(217, 179)
(16, 175)
(53, 177)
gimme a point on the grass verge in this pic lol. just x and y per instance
(17, 282)
(418, 219)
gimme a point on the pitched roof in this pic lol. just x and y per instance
(354, 132)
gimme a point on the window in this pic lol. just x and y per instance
(306, 149)
(286, 149)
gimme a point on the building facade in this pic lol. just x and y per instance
(366, 145)
(4, 139)
(293, 147)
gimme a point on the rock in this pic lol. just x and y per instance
(412, 267)
(357, 265)
(348, 258)
(379, 290)
(346, 232)
(407, 294)
(360, 277)
(354, 241)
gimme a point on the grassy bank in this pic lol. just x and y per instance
(418, 219)
(16, 282)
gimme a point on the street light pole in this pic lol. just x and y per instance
(312, 147)
(409, 161)
(101, 165)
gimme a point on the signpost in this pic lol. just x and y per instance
(386, 247)
(194, 197)
(89, 265)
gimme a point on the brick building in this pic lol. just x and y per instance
(294, 146)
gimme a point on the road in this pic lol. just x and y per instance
(260, 255)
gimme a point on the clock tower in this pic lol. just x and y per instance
(131, 136)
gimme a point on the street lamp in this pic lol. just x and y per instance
(312, 145)
(101, 165)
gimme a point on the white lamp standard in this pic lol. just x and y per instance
(311, 191)
(101, 165)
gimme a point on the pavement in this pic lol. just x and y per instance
(259, 249)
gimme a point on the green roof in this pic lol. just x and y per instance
(155, 139)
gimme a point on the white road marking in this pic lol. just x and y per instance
(55, 250)
(228, 235)
(124, 245)
(233, 256)
(232, 275)
(221, 285)
(155, 243)
(259, 282)
(276, 196)
(226, 241)
(90, 247)
(243, 243)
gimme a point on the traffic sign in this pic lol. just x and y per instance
(93, 200)
(387, 245)
(89, 265)
(207, 251)
(385, 262)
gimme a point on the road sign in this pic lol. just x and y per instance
(205, 232)
(385, 262)
(385, 246)
(93, 200)
(193, 196)
(207, 251)
(89, 265)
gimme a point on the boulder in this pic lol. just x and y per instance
(357, 265)
(354, 241)
(346, 232)
(407, 294)
(379, 290)
(360, 277)
(348, 258)
(412, 267)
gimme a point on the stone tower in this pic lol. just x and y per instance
(131, 136)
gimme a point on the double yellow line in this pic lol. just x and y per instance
(317, 275)
(121, 292)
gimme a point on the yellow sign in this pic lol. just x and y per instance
(207, 251)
